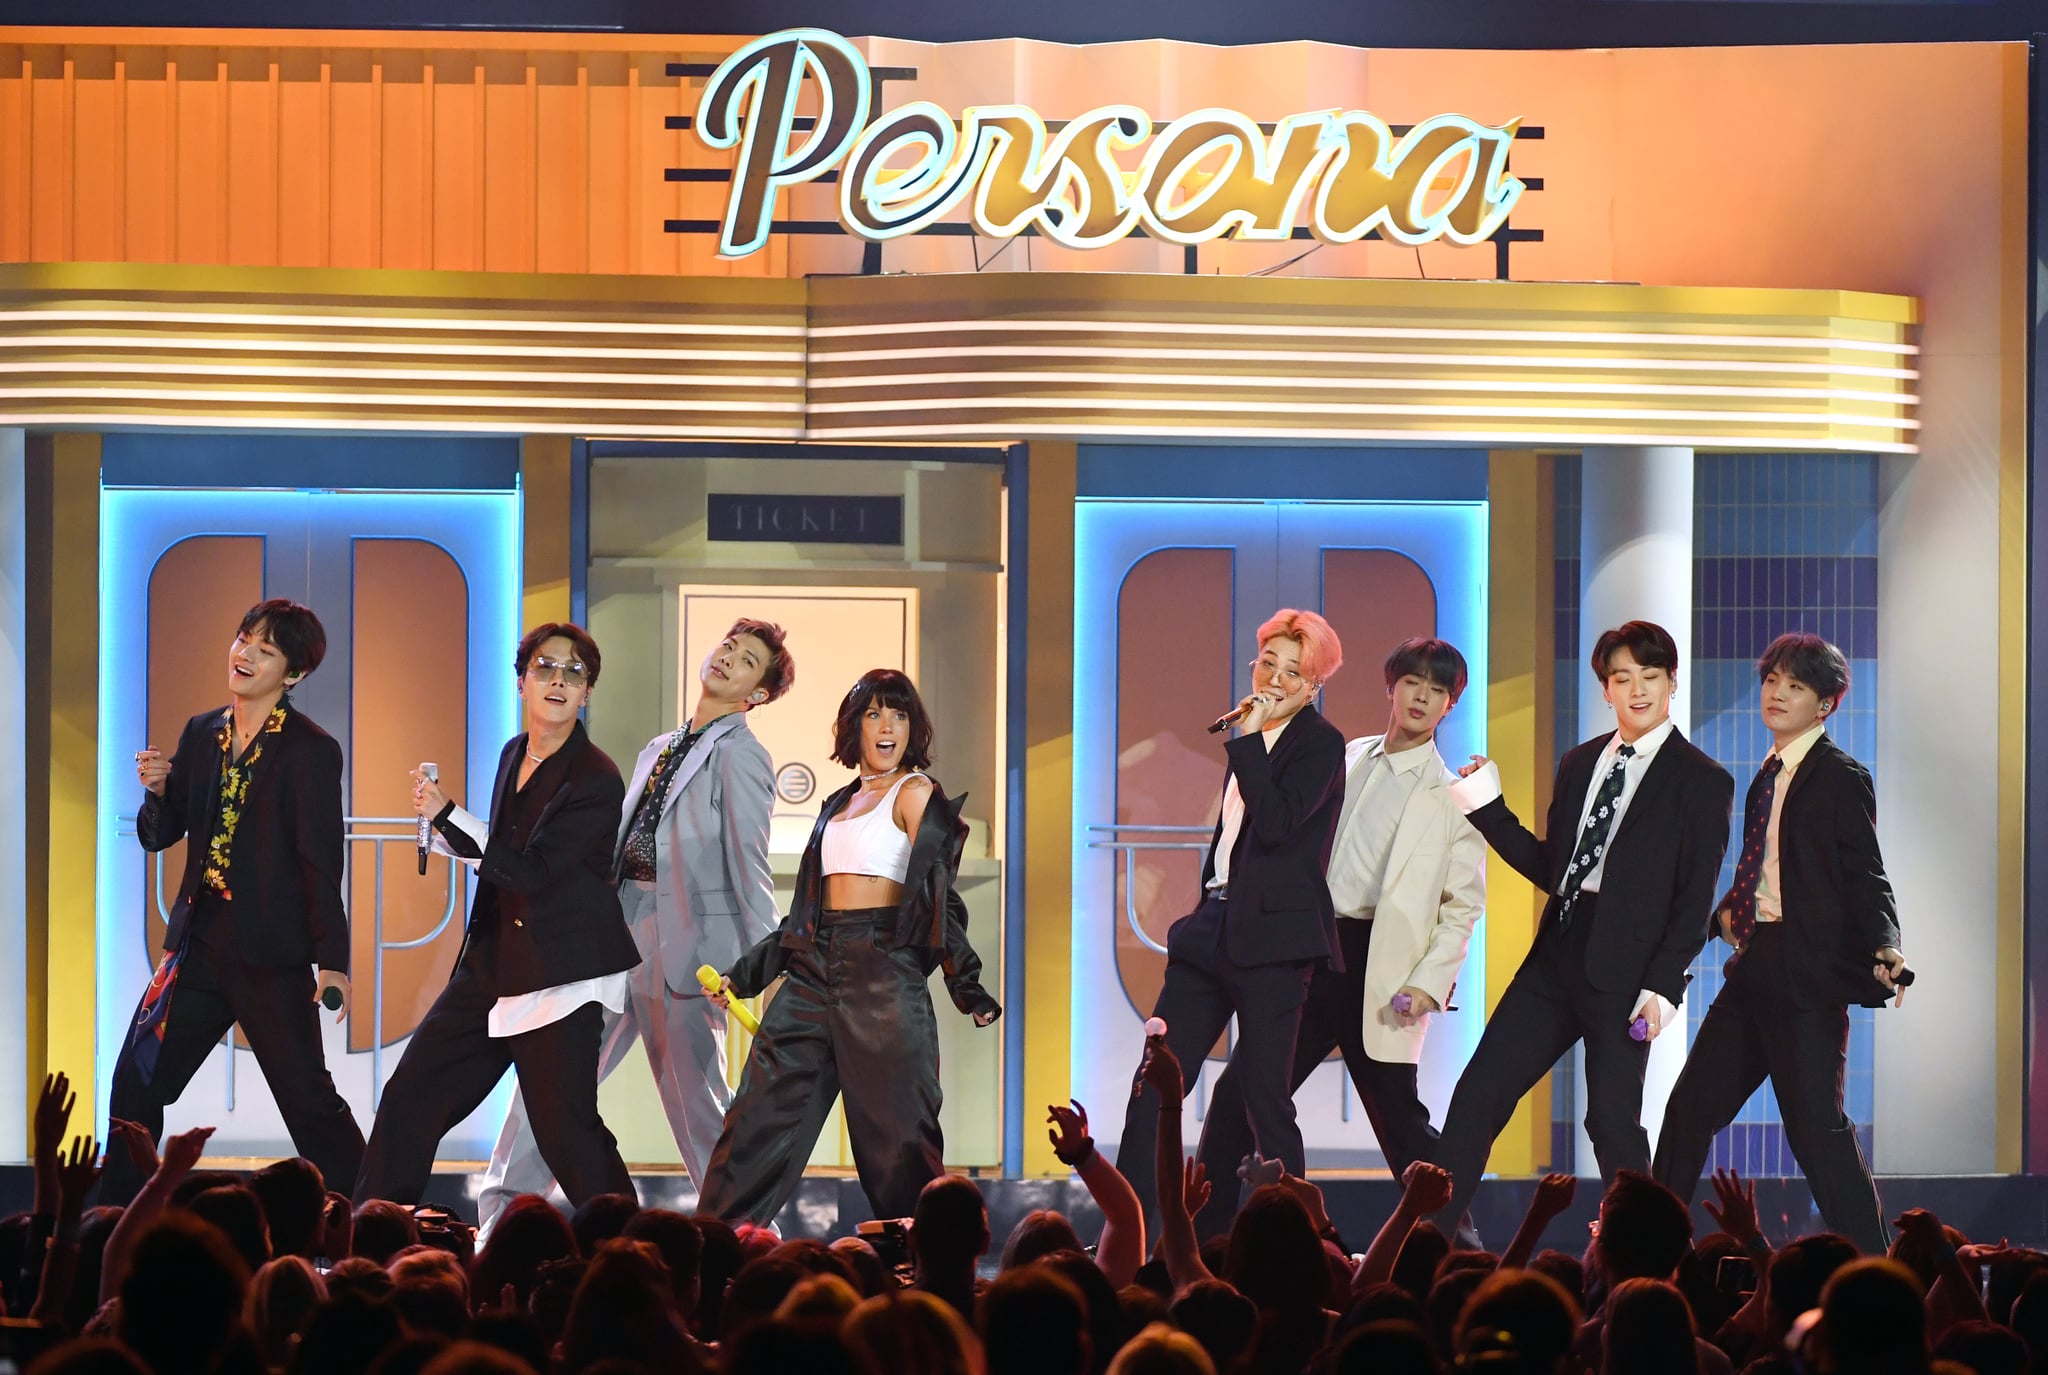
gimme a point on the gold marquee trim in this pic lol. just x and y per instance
(1018, 356)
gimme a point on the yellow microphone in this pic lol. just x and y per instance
(715, 983)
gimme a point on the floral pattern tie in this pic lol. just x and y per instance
(1593, 840)
(1740, 903)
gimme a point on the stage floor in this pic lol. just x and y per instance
(1985, 1207)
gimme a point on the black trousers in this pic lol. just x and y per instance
(451, 1065)
(853, 1019)
(1754, 1030)
(275, 1007)
(1203, 988)
(1548, 1006)
(1332, 1019)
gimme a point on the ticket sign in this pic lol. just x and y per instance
(1104, 174)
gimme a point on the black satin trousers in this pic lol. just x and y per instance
(852, 1020)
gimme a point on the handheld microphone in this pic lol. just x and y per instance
(1402, 1003)
(1639, 1029)
(330, 998)
(1229, 719)
(432, 773)
(713, 982)
(1155, 1034)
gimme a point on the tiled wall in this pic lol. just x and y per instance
(1780, 542)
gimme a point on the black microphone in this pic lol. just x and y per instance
(1229, 719)
(432, 773)
(330, 998)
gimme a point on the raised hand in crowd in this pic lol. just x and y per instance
(52, 1118)
(180, 1154)
(1176, 1182)
(1425, 1189)
(1952, 1293)
(1120, 1251)
(1554, 1194)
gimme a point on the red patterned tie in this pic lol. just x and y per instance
(1740, 903)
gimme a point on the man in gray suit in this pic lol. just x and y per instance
(692, 868)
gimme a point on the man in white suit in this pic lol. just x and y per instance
(692, 868)
(1407, 876)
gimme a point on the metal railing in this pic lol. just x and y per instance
(352, 835)
(1129, 850)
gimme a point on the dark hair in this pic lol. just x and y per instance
(1033, 1321)
(1540, 1319)
(346, 1336)
(1447, 1299)
(1218, 1317)
(1874, 1318)
(1983, 1348)
(528, 1234)
(586, 648)
(293, 629)
(358, 1275)
(382, 1230)
(1037, 1235)
(234, 1209)
(1810, 659)
(776, 1346)
(1649, 1327)
(1801, 1269)
(294, 1199)
(1275, 1257)
(1098, 1301)
(181, 1301)
(1435, 661)
(1569, 1271)
(758, 1290)
(1648, 643)
(950, 1225)
(1390, 1346)
(780, 674)
(681, 1246)
(601, 1217)
(722, 1260)
(1645, 1229)
(890, 690)
(624, 1308)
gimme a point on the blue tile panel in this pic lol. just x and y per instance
(1780, 542)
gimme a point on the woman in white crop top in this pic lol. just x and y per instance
(875, 912)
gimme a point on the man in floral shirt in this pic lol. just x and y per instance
(255, 789)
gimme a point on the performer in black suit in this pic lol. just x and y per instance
(255, 788)
(1812, 921)
(1638, 824)
(546, 953)
(1265, 923)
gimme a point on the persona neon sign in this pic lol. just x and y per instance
(1208, 174)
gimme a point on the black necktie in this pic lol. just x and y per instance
(1593, 840)
(1740, 904)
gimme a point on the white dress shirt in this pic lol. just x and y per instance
(1376, 793)
(1483, 786)
(521, 1012)
(1770, 894)
(1233, 815)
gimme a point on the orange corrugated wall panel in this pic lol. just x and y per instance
(517, 154)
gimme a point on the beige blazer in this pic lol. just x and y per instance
(1434, 891)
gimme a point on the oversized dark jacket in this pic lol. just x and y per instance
(930, 918)
(545, 911)
(285, 868)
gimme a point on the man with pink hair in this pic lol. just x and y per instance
(1265, 922)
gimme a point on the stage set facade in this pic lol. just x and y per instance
(447, 335)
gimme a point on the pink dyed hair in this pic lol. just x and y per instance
(1322, 654)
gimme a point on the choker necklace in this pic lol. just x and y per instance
(874, 777)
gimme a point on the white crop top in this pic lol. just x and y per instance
(870, 843)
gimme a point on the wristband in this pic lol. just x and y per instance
(1081, 1155)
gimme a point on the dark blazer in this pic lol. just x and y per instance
(545, 911)
(1278, 909)
(930, 918)
(285, 869)
(1657, 880)
(1838, 903)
